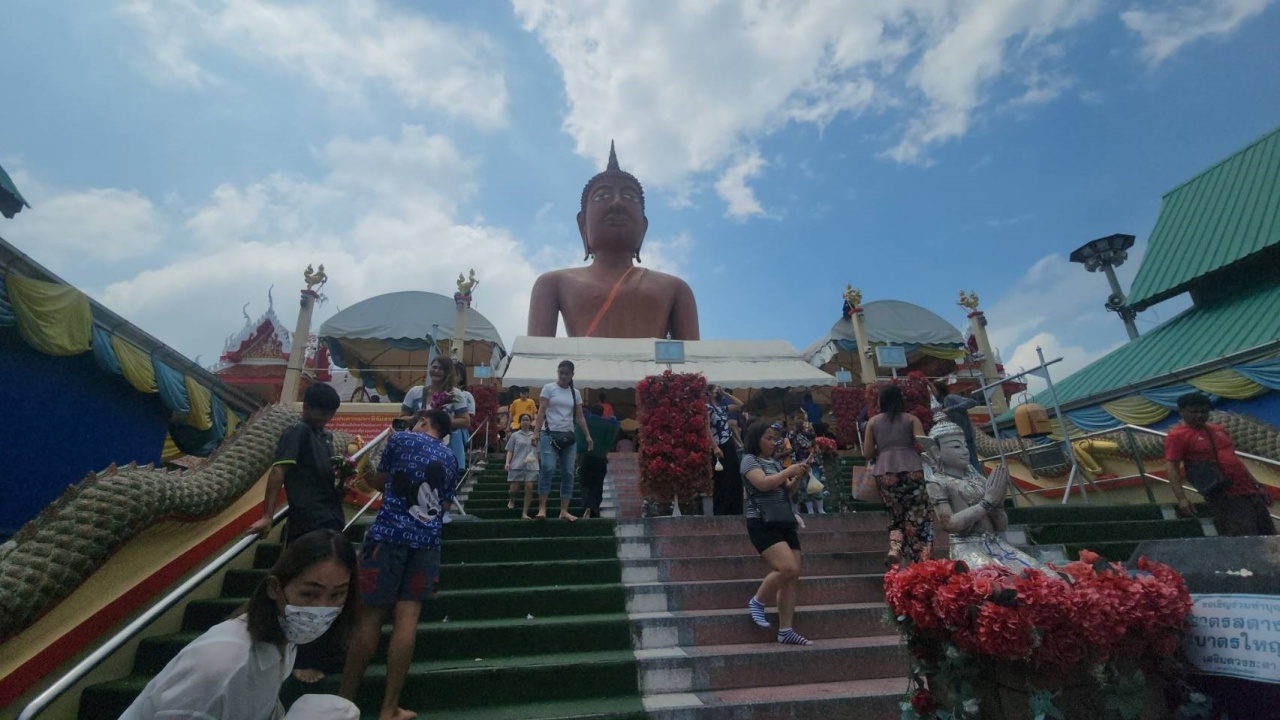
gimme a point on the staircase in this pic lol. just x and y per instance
(688, 581)
(479, 655)
(1112, 531)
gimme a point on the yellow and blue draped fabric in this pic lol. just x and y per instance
(1148, 407)
(57, 319)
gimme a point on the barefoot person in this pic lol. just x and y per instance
(772, 527)
(612, 297)
(559, 409)
(234, 670)
(890, 445)
(400, 558)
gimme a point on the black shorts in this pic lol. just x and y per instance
(765, 537)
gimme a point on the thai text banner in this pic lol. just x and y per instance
(1236, 635)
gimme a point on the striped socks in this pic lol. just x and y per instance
(757, 613)
(787, 636)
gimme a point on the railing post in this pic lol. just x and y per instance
(1142, 467)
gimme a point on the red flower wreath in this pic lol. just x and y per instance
(675, 447)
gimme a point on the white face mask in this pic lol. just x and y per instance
(302, 625)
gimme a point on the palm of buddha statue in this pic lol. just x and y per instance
(967, 504)
(613, 297)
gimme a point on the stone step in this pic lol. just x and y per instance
(709, 595)
(753, 665)
(687, 525)
(729, 626)
(745, 566)
(873, 699)
(812, 540)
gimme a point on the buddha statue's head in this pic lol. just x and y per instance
(612, 218)
(950, 451)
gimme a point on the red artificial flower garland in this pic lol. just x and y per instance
(1086, 610)
(847, 403)
(675, 447)
(486, 409)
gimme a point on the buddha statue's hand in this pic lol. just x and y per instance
(997, 485)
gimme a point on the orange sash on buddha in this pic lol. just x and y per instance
(608, 302)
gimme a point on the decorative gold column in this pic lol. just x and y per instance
(867, 367)
(462, 301)
(978, 325)
(301, 333)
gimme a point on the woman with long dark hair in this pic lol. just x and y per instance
(890, 447)
(234, 670)
(771, 526)
(559, 408)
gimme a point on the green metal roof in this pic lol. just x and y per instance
(1223, 215)
(11, 201)
(1198, 336)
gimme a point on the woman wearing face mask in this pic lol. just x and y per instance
(234, 671)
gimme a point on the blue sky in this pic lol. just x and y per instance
(182, 156)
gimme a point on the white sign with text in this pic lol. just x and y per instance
(1236, 635)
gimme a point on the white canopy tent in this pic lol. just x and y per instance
(618, 363)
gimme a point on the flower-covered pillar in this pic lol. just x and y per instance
(315, 279)
(675, 446)
(978, 325)
(462, 301)
(853, 308)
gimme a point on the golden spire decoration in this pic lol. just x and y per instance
(852, 296)
(969, 301)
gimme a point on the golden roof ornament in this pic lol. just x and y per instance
(466, 285)
(315, 278)
(852, 297)
(969, 301)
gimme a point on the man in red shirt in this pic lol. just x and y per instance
(1241, 508)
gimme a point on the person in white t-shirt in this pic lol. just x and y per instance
(559, 407)
(234, 670)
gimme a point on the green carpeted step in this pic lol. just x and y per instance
(479, 681)
(544, 601)
(155, 652)
(1116, 531)
(496, 575)
(467, 640)
(266, 554)
(496, 529)
(108, 701)
(553, 510)
(1046, 514)
(200, 615)
(242, 583)
(529, 549)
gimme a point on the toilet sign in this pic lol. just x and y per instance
(1237, 635)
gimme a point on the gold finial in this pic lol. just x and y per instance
(969, 301)
(466, 285)
(315, 278)
(853, 297)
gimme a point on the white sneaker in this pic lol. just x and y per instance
(445, 518)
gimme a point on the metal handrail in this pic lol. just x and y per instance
(1129, 429)
(151, 614)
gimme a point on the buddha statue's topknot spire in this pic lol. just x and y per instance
(612, 169)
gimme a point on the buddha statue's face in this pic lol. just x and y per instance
(953, 454)
(613, 220)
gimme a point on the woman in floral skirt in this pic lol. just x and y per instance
(890, 444)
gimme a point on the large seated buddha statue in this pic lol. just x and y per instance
(967, 504)
(613, 297)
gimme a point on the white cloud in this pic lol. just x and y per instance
(687, 89)
(1058, 305)
(381, 218)
(101, 224)
(342, 47)
(1166, 31)
(732, 187)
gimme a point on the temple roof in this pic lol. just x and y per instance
(11, 201)
(1227, 215)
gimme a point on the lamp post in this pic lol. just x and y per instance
(1109, 253)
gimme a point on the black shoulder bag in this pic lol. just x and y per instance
(1206, 476)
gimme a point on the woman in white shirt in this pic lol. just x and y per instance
(559, 407)
(234, 671)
